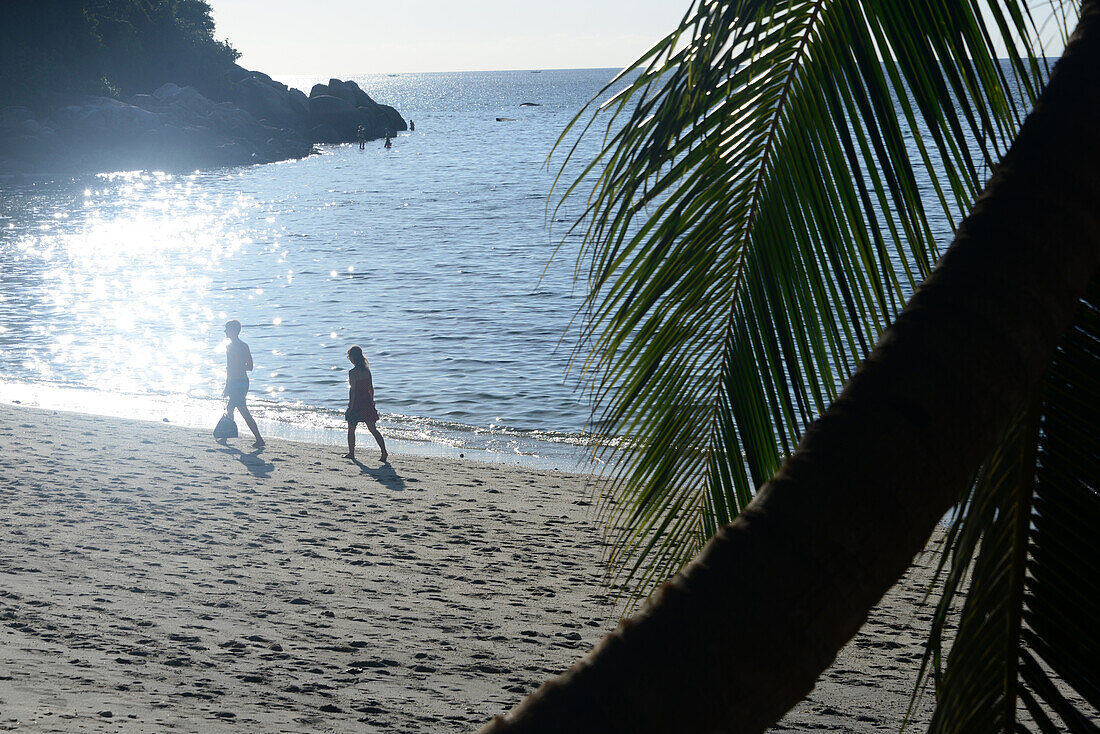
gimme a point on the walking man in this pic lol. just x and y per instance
(238, 363)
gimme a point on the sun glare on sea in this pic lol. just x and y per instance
(134, 280)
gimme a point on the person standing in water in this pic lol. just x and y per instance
(238, 363)
(361, 402)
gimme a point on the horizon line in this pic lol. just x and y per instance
(449, 71)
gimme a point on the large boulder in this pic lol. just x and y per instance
(175, 128)
(231, 119)
(25, 142)
(18, 124)
(336, 112)
(99, 119)
(236, 73)
(298, 101)
(327, 104)
(182, 102)
(166, 90)
(385, 118)
(266, 101)
(362, 99)
(345, 107)
(341, 89)
(325, 133)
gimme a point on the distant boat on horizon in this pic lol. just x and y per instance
(536, 71)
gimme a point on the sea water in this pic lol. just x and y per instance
(439, 256)
(445, 257)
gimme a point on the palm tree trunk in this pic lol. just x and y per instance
(740, 636)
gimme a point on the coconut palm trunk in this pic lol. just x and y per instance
(742, 633)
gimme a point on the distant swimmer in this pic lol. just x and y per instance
(412, 125)
(238, 363)
(388, 144)
(361, 136)
(361, 402)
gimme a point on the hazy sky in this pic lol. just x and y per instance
(341, 37)
(346, 37)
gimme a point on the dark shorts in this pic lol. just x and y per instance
(236, 390)
(367, 415)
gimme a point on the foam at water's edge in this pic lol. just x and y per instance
(404, 434)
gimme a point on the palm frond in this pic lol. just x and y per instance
(766, 199)
(1028, 634)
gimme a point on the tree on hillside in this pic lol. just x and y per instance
(763, 206)
(108, 47)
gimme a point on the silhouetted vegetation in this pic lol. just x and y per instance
(108, 47)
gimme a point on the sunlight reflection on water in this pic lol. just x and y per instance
(432, 256)
(133, 281)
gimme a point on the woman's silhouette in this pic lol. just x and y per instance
(361, 402)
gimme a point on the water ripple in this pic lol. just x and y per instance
(433, 259)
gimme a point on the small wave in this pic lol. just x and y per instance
(319, 424)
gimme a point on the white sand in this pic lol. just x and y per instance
(153, 580)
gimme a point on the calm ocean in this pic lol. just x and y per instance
(434, 256)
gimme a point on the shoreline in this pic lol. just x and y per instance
(421, 437)
(151, 579)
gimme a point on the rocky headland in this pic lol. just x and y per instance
(250, 118)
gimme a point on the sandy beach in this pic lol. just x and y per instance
(153, 580)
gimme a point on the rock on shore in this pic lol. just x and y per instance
(337, 109)
(254, 120)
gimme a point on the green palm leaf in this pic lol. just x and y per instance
(1028, 634)
(765, 201)
(771, 184)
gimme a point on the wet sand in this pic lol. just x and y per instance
(152, 580)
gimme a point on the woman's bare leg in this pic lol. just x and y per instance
(373, 428)
(351, 442)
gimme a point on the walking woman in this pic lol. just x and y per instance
(361, 402)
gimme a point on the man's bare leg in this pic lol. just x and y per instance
(378, 437)
(251, 423)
